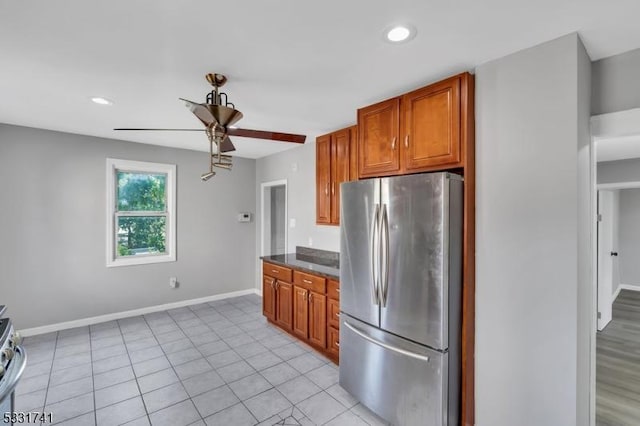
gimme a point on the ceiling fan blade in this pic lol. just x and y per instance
(202, 113)
(134, 129)
(261, 134)
(227, 145)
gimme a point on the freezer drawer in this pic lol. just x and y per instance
(402, 382)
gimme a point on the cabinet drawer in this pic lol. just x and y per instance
(276, 271)
(333, 313)
(333, 289)
(310, 282)
(333, 341)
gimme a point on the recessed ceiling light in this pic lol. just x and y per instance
(101, 101)
(400, 33)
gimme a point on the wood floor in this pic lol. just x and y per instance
(618, 364)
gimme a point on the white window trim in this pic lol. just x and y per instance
(114, 164)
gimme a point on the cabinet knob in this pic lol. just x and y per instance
(333, 188)
(304, 280)
(393, 143)
(406, 141)
(326, 189)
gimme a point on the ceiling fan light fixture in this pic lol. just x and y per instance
(400, 33)
(206, 176)
(101, 101)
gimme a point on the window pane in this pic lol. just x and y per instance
(141, 191)
(140, 235)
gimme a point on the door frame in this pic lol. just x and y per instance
(264, 186)
(605, 126)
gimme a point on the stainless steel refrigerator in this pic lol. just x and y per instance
(400, 296)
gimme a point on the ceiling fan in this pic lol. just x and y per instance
(218, 116)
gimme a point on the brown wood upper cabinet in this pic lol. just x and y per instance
(378, 139)
(419, 131)
(334, 159)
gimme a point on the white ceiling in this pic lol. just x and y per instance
(293, 66)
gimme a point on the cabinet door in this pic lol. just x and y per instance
(339, 169)
(333, 313)
(284, 311)
(323, 179)
(353, 153)
(333, 344)
(318, 319)
(378, 139)
(431, 126)
(300, 312)
(269, 297)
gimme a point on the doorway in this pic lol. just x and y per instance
(615, 342)
(274, 218)
(608, 200)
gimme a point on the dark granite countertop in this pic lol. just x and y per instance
(319, 265)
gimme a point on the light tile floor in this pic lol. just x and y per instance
(217, 363)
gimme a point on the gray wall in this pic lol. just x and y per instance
(629, 240)
(52, 256)
(301, 193)
(585, 374)
(615, 83)
(619, 171)
(301, 187)
(532, 111)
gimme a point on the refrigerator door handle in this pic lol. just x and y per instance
(374, 255)
(386, 345)
(384, 256)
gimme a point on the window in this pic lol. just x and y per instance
(141, 210)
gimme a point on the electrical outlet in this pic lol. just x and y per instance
(173, 282)
(292, 223)
(310, 242)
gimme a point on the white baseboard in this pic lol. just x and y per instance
(632, 287)
(132, 313)
(616, 294)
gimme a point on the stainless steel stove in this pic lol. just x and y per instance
(13, 360)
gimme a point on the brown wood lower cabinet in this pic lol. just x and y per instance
(284, 314)
(307, 308)
(333, 347)
(269, 297)
(301, 312)
(318, 319)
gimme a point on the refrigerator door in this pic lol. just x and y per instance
(402, 382)
(419, 212)
(359, 257)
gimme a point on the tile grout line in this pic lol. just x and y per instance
(93, 382)
(172, 368)
(126, 349)
(46, 394)
(258, 372)
(214, 369)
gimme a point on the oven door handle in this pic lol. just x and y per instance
(14, 371)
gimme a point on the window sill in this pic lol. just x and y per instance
(142, 260)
